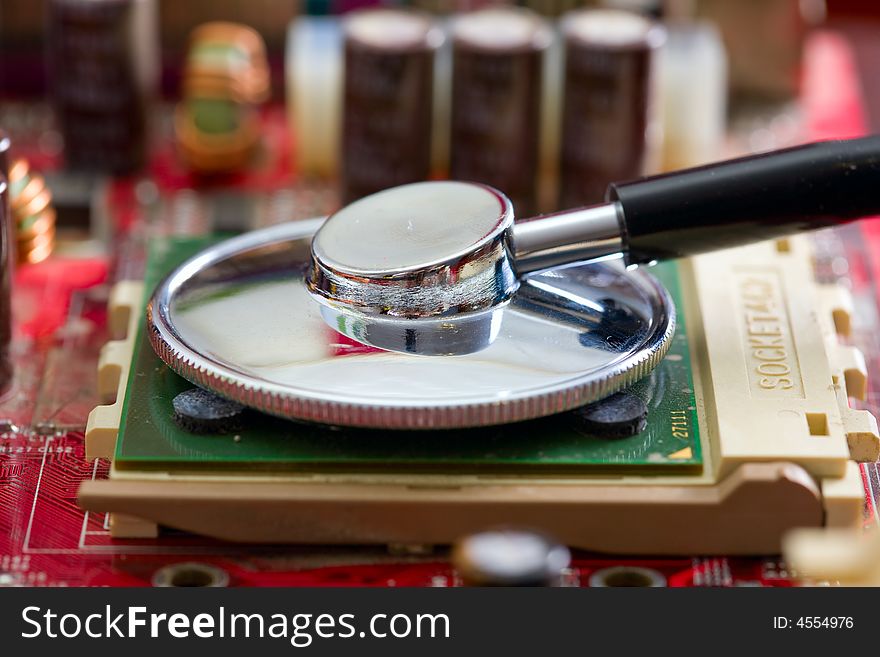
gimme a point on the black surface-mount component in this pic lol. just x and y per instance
(619, 416)
(199, 411)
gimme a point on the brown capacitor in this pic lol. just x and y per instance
(7, 266)
(5, 288)
(765, 43)
(497, 84)
(9, 229)
(103, 57)
(5, 145)
(387, 100)
(608, 131)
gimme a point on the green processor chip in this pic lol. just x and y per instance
(150, 439)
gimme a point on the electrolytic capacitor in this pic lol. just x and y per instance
(694, 84)
(764, 42)
(387, 100)
(496, 101)
(609, 126)
(5, 145)
(6, 256)
(510, 557)
(313, 82)
(104, 69)
(9, 230)
(651, 8)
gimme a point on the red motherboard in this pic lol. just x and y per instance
(46, 539)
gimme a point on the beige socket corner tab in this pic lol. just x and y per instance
(849, 373)
(860, 426)
(847, 557)
(125, 526)
(114, 363)
(843, 498)
(837, 300)
(770, 394)
(125, 296)
(850, 362)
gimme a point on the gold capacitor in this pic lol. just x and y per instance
(225, 80)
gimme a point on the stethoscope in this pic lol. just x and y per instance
(427, 268)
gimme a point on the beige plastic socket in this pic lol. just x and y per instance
(772, 462)
(747, 513)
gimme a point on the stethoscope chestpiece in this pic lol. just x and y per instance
(239, 320)
(424, 268)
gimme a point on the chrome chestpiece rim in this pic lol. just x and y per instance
(423, 268)
(238, 319)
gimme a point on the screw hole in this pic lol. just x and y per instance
(625, 576)
(185, 575)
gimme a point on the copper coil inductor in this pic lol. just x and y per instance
(32, 213)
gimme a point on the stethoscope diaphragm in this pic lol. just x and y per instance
(237, 319)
